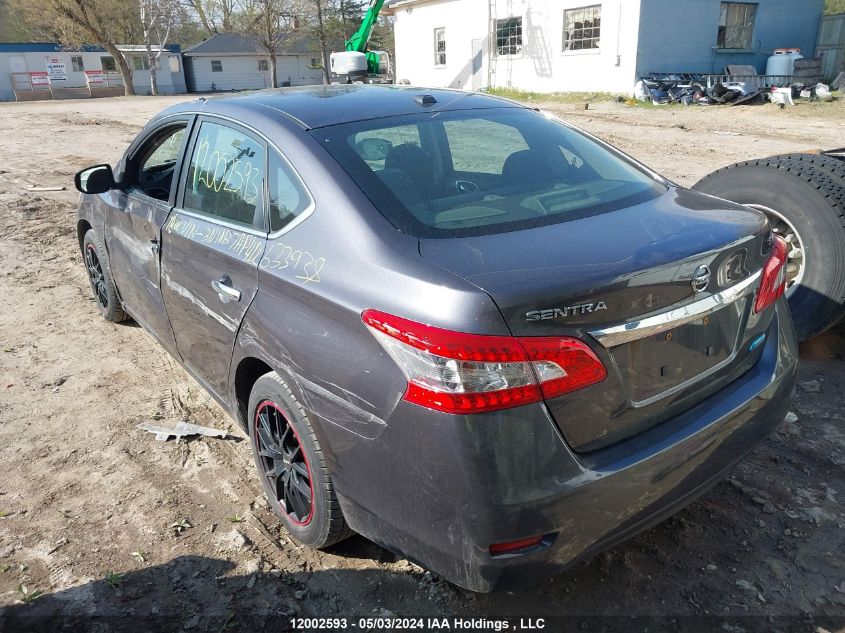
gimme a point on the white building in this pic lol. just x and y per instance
(46, 70)
(229, 61)
(589, 45)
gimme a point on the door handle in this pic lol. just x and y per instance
(154, 246)
(223, 288)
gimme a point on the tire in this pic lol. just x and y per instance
(807, 192)
(273, 408)
(96, 261)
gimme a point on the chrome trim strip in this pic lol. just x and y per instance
(635, 330)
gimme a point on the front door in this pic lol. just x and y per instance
(133, 229)
(211, 246)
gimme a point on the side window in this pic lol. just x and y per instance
(288, 197)
(464, 135)
(226, 176)
(156, 162)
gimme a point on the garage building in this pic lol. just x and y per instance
(229, 61)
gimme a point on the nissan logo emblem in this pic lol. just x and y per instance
(700, 278)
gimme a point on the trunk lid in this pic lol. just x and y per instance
(622, 281)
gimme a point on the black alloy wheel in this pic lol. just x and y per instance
(96, 276)
(103, 288)
(291, 465)
(285, 465)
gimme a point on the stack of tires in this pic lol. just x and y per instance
(804, 197)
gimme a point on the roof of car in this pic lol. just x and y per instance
(321, 106)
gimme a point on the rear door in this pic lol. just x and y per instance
(211, 246)
(133, 229)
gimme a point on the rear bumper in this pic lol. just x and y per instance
(441, 489)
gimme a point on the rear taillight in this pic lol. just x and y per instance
(773, 281)
(456, 372)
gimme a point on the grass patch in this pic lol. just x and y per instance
(554, 97)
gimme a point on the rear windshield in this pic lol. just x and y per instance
(451, 174)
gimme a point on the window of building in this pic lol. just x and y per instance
(216, 66)
(140, 63)
(288, 197)
(108, 64)
(226, 176)
(76, 63)
(263, 65)
(173, 60)
(440, 46)
(509, 36)
(316, 63)
(736, 25)
(581, 28)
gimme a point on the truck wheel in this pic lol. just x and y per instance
(804, 198)
(291, 465)
(99, 276)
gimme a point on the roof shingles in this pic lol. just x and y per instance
(237, 44)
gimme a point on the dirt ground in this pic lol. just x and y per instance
(122, 532)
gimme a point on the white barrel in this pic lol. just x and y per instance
(782, 63)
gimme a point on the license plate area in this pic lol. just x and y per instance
(667, 362)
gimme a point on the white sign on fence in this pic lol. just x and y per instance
(94, 77)
(39, 79)
(56, 69)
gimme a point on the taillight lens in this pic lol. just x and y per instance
(456, 372)
(773, 282)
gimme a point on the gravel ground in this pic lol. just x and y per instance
(121, 532)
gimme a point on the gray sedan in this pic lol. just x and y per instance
(450, 323)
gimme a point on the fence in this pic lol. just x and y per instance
(831, 45)
(37, 85)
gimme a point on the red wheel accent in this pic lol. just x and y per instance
(283, 459)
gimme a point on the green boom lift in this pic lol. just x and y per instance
(357, 62)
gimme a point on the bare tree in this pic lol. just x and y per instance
(273, 25)
(215, 15)
(77, 22)
(157, 17)
(323, 39)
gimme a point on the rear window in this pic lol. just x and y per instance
(451, 174)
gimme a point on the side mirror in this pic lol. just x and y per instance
(96, 179)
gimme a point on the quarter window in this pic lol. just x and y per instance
(509, 36)
(581, 28)
(736, 25)
(440, 46)
(226, 176)
(76, 63)
(156, 161)
(216, 66)
(288, 197)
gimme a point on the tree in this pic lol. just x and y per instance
(273, 26)
(834, 6)
(322, 37)
(73, 23)
(157, 19)
(215, 16)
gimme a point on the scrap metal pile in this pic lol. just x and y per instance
(738, 86)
